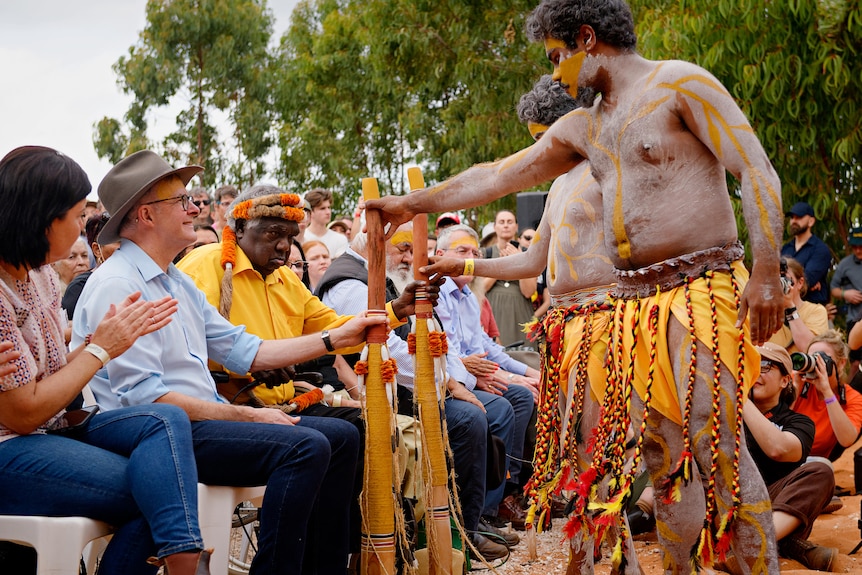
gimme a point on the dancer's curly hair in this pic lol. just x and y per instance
(562, 19)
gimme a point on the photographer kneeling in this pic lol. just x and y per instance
(779, 441)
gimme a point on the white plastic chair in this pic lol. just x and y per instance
(215, 509)
(59, 541)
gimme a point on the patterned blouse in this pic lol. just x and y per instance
(32, 319)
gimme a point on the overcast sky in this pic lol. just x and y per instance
(55, 72)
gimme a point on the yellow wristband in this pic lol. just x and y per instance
(469, 266)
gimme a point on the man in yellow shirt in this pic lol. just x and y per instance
(261, 292)
(246, 278)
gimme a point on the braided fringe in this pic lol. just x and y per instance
(724, 535)
(670, 487)
(550, 333)
(608, 449)
(703, 552)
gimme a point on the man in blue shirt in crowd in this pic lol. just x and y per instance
(810, 251)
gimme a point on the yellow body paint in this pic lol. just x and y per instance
(567, 67)
(537, 130)
(166, 188)
(465, 240)
(402, 238)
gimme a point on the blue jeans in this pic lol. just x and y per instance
(523, 405)
(133, 468)
(308, 470)
(467, 428)
(508, 416)
(501, 420)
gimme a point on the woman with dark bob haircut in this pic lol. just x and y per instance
(133, 468)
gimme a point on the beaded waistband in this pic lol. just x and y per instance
(584, 296)
(672, 273)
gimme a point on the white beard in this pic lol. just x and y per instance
(400, 277)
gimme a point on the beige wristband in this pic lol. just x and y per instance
(469, 266)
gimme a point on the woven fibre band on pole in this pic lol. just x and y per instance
(378, 503)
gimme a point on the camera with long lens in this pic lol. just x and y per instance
(806, 364)
(786, 284)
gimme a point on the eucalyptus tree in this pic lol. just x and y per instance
(369, 87)
(210, 59)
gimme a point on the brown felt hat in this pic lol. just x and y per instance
(128, 181)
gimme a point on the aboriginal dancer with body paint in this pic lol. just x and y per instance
(573, 334)
(659, 143)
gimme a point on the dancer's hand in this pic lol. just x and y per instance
(763, 303)
(394, 211)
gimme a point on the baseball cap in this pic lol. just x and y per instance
(855, 238)
(452, 218)
(800, 209)
(777, 354)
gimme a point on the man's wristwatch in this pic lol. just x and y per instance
(324, 335)
(790, 314)
(98, 352)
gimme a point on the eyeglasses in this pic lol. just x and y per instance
(185, 199)
(297, 265)
(226, 203)
(465, 251)
(200, 203)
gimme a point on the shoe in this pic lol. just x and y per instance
(558, 507)
(509, 537)
(812, 556)
(834, 505)
(640, 521)
(185, 563)
(489, 550)
(510, 511)
(494, 521)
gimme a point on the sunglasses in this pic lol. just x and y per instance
(200, 203)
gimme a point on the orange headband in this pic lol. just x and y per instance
(272, 206)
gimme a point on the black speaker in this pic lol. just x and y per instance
(530, 206)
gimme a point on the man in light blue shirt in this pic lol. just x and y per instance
(307, 465)
(459, 311)
(344, 288)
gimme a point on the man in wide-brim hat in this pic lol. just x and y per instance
(153, 216)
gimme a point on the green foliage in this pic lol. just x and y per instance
(795, 69)
(109, 140)
(212, 55)
(359, 89)
(368, 88)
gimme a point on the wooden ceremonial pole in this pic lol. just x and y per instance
(437, 523)
(377, 501)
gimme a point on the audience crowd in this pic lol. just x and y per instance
(199, 319)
